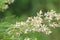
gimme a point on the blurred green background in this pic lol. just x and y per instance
(30, 7)
(21, 9)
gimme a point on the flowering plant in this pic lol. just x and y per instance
(4, 4)
(40, 23)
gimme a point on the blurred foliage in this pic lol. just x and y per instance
(30, 7)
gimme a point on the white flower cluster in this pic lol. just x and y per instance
(9, 1)
(40, 23)
(4, 4)
(52, 18)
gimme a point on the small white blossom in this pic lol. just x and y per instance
(27, 39)
(17, 24)
(22, 23)
(26, 31)
(33, 29)
(39, 14)
(58, 17)
(54, 25)
(30, 19)
(10, 1)
(5, 6)
(48, 32)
